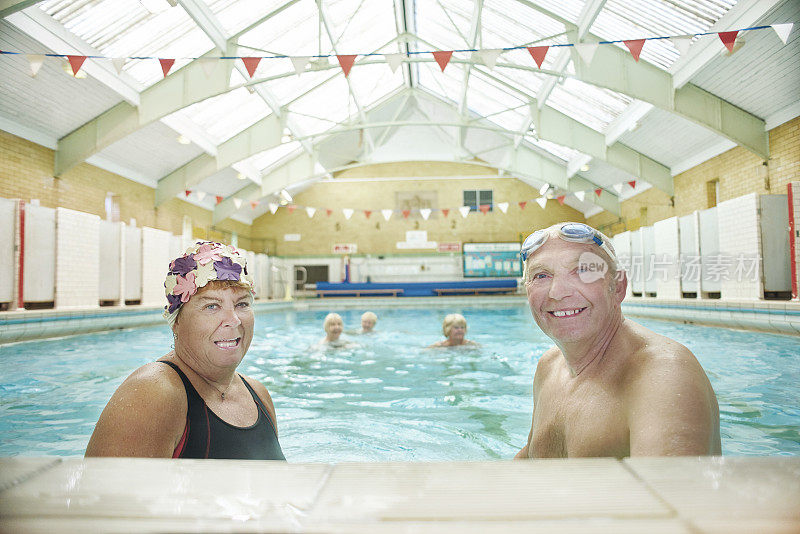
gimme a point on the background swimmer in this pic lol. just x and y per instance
(368, 321)
(454, 328)
(333, 326)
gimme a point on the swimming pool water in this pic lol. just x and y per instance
(388, 398)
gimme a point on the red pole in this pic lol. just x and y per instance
(20, 296)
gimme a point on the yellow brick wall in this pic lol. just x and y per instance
(738, 170)
(26, 172)
(378, 236)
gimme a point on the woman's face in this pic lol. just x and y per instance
(334, 328)
(457, 332)
(215, 328)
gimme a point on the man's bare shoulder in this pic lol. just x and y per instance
(548, 362)
(657, 357)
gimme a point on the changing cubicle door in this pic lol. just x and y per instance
(775, 249)
(39, 283)
(710, 279)
(637, 262)
(110, 260)
(8, 230)
(133, 263)
(689, 253)
(648, 257)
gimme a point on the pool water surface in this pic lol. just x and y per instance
(388, 397)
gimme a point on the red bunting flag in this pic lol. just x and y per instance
(251, 64)
(76, 62)
(219, 199)
(328, 212)
(406, 213)
(291, 208)
(561, 199)
(367, 213)
(635, 46)
(166, 64)
(442, 58)
(598, 191)
(187, 192)
(728, 38)
(445, 211)
(346, 62)
(632, 183)
(538, 53)
(253, 204)
(484, 208)
(522, 204)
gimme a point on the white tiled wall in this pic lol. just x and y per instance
(739, 237)
(77, 259)
(155, 264)
(666, 268)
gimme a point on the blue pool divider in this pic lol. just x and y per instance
(418, 289)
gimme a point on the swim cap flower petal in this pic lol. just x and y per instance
(208, 253)
(185, 287)
(227, 270)
(183, 265)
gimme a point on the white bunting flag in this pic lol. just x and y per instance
(209, 64)
(489, 56)
(299, 63)
(273, 207)
(201, 195)
(544, 189)
(580, 195)
(618, 188)
(425, 212)
(387, 214)
(783, 31)
(503, 206)
(311, 211)
(394, 60)
(36, 61)
(237, 202)
(464, 211)
(682, 43)
(347, 213)
(542, 201)
(118, 63)
(586, 51)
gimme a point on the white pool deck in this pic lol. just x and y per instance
(635, 495)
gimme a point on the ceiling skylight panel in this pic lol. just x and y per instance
(510, 119)
(446, 84)
(330, 102)
(593, 106)
(509, 23)
(440, 28)
(225, 115)
(266, 159)
(360, 26)
(560, 151)
(236, 15)
(568, 9)
(293, 33)
(292, 87)
(372, 82)
(487, 98)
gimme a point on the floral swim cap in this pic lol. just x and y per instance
(204, 261)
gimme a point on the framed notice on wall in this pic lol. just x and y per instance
(492, 259)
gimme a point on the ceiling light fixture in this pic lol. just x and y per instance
(182, 139)
(285, 196)
(584, 168)
(240, 175)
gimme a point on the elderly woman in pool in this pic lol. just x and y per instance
(333, 326)
(191, 403)
(454, 328)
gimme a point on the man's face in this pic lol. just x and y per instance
(568, 299)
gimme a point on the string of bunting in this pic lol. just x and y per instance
(488, 57)
(544, 191)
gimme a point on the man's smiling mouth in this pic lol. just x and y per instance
(566, 313)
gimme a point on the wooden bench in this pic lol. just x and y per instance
(321, 293)
(474, 290)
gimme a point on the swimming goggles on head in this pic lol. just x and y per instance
(572, 232)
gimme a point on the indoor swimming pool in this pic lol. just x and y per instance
(387, 397)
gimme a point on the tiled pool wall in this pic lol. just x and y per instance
(778, 316)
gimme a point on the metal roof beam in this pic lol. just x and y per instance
(9, 7)
(473, 41)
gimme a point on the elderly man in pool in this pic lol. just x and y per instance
(609, 386)
(191, 403)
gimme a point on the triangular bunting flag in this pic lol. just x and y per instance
(367, 213)
(36, 61)
(218, 199)
(187, 192)
(76, 62)
(728, 39)
(445, 212)
(632, 183)
(682, 43)
(310, 211)
(253, 204)
(464, 211)
(503, 206)
(783, 31)
(425, 212)
(489, 56)
(586, 51)
(291, 208)
(542, 201)
(406, 213)
(328, 212)
(237, 202)
(522, 204)
(484, 208)
(561, 199)
(118, 63)
(394, 60)
(346, 62)
(166, 64)
(251, 64)
(618, 188)
(580, 195)
(598, 191)
(273, 207)
(635, 46)
(538, 53)
(347, 213)
(201, 195)
(387, 214)
(209, 64)
(544, 189)
(299, 63)
(442, 57)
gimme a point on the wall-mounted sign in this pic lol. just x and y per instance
(450, 247)
(291, 237)
(492, 259)
(345, 248)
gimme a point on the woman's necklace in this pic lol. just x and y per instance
(221, 393)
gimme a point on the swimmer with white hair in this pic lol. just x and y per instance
(454, 329)
(333, 326)
(368, 321)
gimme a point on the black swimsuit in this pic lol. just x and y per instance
(207, 436)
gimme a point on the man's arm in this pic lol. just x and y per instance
(672, 409)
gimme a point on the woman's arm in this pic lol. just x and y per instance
(145, 417)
